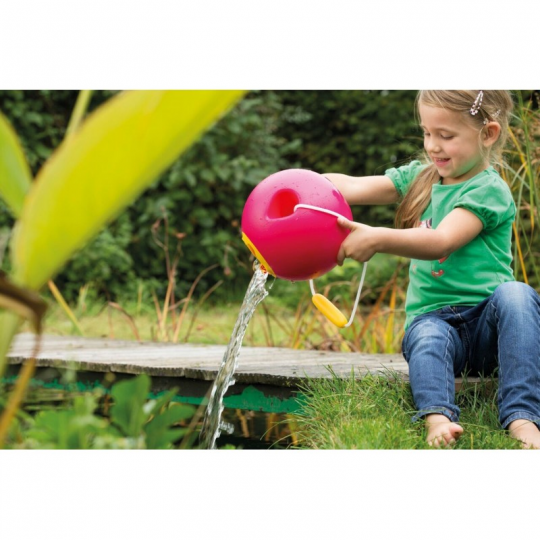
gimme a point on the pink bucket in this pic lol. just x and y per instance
(290, 242)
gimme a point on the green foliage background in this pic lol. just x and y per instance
(203, 193)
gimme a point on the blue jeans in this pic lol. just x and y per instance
(502, 331)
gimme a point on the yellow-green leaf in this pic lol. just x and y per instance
(15, 174)
(115, 154)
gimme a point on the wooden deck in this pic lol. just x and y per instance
(256, 365)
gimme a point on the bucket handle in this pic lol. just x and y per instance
(325, 306)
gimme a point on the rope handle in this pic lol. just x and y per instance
(311, 282)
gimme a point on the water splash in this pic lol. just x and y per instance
(212, 425)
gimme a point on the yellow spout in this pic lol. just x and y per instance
(256, 253)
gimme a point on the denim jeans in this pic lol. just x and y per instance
(502, 331)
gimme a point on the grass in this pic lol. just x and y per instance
(377, 328)
(211, 325)
(375, 413)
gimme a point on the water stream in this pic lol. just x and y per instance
(212, 423)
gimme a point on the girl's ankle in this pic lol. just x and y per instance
(436, 418)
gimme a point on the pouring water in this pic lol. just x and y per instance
(212, 424)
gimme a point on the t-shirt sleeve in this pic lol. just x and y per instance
(491, 201)
(402, 177)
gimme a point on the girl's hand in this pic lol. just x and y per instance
(361, 243)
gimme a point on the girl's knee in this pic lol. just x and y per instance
(515, 294)
(429, 334)
(425, 330)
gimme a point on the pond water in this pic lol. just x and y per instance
(258, 430)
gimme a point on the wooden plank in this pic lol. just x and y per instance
(263, 365)
(256, 365)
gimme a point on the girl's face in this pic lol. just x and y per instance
(452, 144)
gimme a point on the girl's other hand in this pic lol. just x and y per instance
(361, 243)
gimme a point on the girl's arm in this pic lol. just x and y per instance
(364, 189)
(458, 228)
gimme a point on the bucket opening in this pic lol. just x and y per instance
(282, 204)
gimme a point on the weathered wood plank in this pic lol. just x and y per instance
(262, 365)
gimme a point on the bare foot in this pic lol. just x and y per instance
(441, 430)
(526, 432)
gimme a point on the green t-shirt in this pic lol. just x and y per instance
(473, 272)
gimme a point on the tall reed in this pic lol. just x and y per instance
(522, 173)
(171, 314)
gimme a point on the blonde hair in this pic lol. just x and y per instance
(496, 106)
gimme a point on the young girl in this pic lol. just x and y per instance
(464, 310)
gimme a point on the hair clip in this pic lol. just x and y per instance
(477, 103)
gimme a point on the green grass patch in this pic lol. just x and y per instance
(209, 325)
(274, 324)
(375, 413)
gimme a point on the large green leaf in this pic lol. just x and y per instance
(160, 432)
(128, 410)
(15, 175)
(69, 429)
(117, 152)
